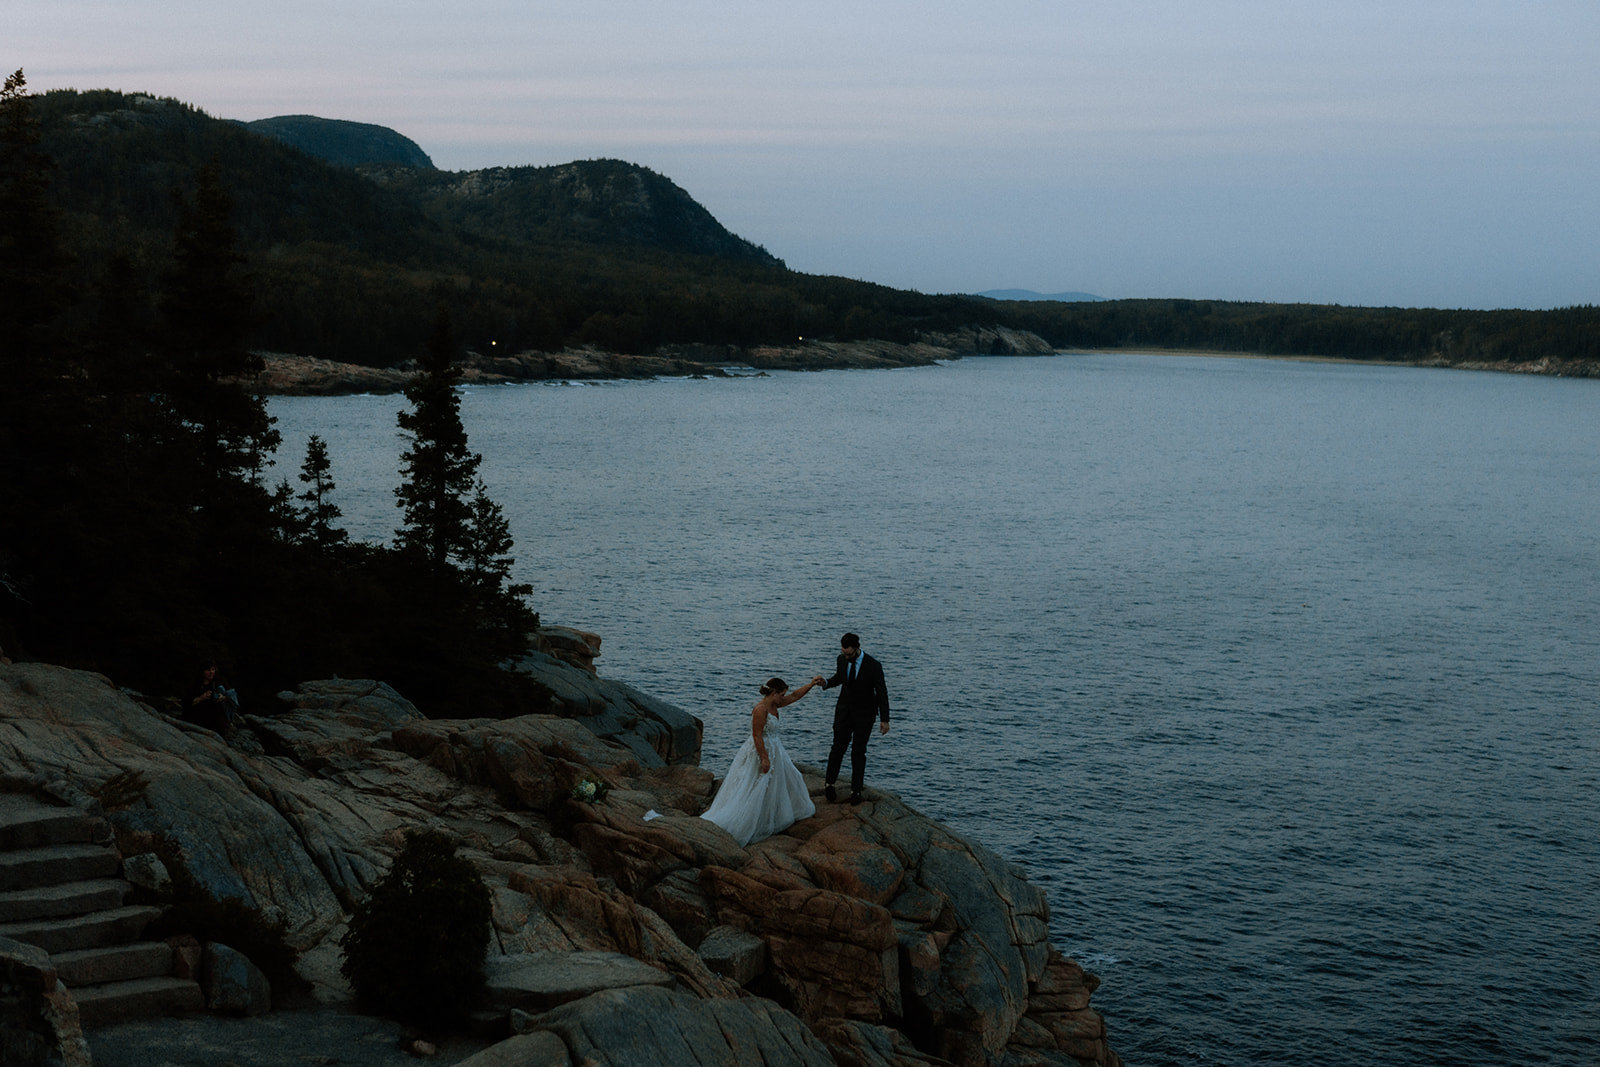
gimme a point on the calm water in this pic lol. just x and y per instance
(1279, 677)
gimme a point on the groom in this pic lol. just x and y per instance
(862, 697)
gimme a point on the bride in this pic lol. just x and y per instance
(764, 791)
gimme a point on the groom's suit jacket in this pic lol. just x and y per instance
(865, 695)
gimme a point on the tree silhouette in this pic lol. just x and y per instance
(320, 511)
(44, 439)
(438, 471)
(207, 311)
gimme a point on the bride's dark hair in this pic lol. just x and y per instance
(774, 685)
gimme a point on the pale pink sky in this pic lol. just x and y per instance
(1432, 152)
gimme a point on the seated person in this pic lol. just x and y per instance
(207, 702)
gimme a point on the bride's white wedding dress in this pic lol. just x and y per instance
(751, 805)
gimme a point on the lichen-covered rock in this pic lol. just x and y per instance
(38, 1019)
(538, 1049)
(658, 733)
(538, 981)
(146, 871)
(832, 954)
(733, 953)
(575, 647)
(232, 984)
(846, 860)
(648, 1027)
(866, 1045)
(1060, 1023)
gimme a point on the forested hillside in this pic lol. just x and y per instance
(1568, 336)
(348, 144)
(350, 263)
(140, 532)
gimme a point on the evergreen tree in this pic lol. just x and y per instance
(438, 471)
(33, 288)
(484, 556)
(320, 511)
(42, 444)
(207, 312)
(33, 291)
(415, 947)
(488, 564)
(456, 540)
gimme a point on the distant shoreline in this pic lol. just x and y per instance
(284, 374)
(287, 375)
(1217, 353)
(1550, 367)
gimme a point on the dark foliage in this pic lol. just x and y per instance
(349, 144)
(437, 470)
(416, 946)
(349, 265)
(1398, 334)
(136, 537)
(314, 523)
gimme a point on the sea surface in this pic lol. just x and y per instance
(1281, 678)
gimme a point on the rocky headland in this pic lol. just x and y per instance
(625, 930)
(292, 375)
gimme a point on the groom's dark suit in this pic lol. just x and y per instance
(861, 699)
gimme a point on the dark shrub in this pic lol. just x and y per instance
(415, 947)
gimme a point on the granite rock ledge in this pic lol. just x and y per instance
(867, 935)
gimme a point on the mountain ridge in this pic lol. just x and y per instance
(342, 142)
(350, 264)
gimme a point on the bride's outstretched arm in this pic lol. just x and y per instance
(790, 697)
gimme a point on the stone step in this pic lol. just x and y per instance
(60, 901)
(119, 963)
(29, 823)
(141, 998)
(117, 926)
(55, 864)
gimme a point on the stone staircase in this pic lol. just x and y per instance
(60, 890)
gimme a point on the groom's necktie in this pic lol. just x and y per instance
(852, 670)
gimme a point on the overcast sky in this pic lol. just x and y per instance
(1441, 153)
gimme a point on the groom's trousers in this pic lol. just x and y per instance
(850, 732)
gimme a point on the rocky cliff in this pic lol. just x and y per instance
(625, 930)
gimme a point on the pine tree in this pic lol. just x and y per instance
(33, 292)
(42, 439)
(499, 604)
(438, 471)
(207, 311)
(33, 289)
(485, 553)
(320, 510)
